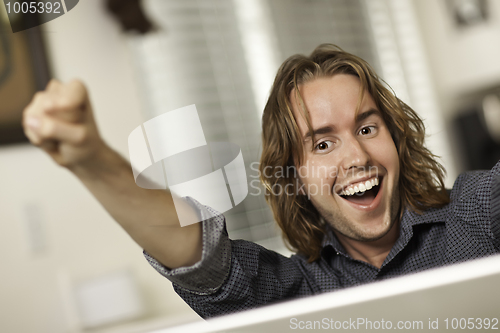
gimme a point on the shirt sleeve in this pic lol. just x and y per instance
(257, 277)
(477, 198)
(208, 274)
(234, 275)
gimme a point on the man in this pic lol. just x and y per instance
(368, 200)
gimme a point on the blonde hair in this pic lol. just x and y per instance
(421, 184)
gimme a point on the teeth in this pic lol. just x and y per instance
(360, 188)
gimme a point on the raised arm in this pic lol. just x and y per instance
(60, 121)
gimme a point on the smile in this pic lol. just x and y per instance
(360, 187)
(363, 195)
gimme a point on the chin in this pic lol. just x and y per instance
(367, 231)
(374, 235)
(363, 232)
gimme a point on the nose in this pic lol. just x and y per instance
(354, 154)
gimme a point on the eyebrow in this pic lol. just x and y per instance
(330, 128)
(321, 130)
(367, 114)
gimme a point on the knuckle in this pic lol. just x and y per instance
(64, 102)
(39, 95)
(41, 103)
(28, 111)
(76, 83)
(48, 129)
(53, 84)
(38, 99)
(67, 102)
(45, 103)
(79, 88)
(24, 123)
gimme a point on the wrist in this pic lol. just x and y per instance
(102, 163)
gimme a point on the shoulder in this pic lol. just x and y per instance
(476, 187)
(466, 185)
(475, 196)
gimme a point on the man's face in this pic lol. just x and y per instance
(350, 154)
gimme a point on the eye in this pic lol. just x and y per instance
(367, 130)
(323, 145)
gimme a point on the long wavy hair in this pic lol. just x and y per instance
(421, 184)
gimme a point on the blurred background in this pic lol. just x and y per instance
(65, 265)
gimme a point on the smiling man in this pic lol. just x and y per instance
(368, 200)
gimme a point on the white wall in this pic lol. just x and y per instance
(462, 60)
(81, 240)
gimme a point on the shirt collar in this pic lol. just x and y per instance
(330, 240)
(411, 219)
(408, 221)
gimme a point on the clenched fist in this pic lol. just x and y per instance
(60, 121)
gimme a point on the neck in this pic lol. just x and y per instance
(372, 252)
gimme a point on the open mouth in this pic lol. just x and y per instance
(362, 194)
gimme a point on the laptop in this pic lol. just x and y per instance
(463, 296)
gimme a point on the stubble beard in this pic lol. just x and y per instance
(350, 229)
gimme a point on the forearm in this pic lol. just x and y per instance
(148, 216)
